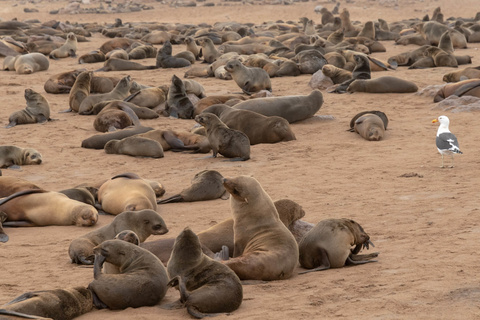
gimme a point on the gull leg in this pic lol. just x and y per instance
(442, 162)
(453, 161)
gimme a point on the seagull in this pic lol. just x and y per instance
(446, 141)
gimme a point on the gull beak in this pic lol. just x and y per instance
(434, 120)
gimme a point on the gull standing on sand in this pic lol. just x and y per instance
(446, 141)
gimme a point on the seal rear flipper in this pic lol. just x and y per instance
(3, 235)
(173, 140)
(21, 315)
(175, 198)
(96, 300)
(19, 224)
(25, 296)
(41, 118)
(11, 124)
(173, 305)
(84, 260)
(350, 261)
(66, 110)
(194, 312)
(237, 159)
(130, 97)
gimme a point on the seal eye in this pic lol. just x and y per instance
(146, 221)
(157, 227)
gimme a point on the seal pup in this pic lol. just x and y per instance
(16, 156)
(264, 249)
(144, 223)
(68, 49)
(36, 111)
(178, 104)
(205, 185)
(135, 146)
(164, 58)
(52, 304)
(206, 286)
(80, 90)
(230, 143)
(370, 127)
(329, 245)
(30, 63)
(142, 280)
(250, 80)
(126, 192)
(446, 141)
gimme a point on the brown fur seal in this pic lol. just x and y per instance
(92, 57)
(361, 71)
(440, 57)
(264, 249)
(127, 192)
(329, 245)
(338, 75)
(206, 286)
(292, 108)
(10, 185)
(80, 90)
(68, 49)
(370, 127)
(165, 60)
(192, 47)
(117, 54)
(386, 84)
(135, 147)
(13, 155)
(110, 45)
(125, 235)
(52, 304)
(42, 208)
(142, 52)
(140, 112)
(228, 142)
(62, 82)
(469, 87)
(178, 104)
(120, 92)
(82, 194)
(30, 63)
(209, 52)
(206, 185)
(250, 80)
(149, 97)
(114, 64)
(179, 140)
(142, 280)
(206, 102)
(98, 141)
(144, 223)
(115, 116)
(36, 111)
(257, 127)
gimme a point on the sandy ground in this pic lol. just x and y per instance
(425, 227)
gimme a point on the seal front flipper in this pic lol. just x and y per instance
(320, 258)
(11, 124)
(361, 258)
(173, 140)
(175, 198)
(20, 315)
(96, 301)
(3, 235)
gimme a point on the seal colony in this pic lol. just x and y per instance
(270, 155)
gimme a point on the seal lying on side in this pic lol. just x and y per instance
(264, 249)
(83, 194)
(386, 84)
(10, 185)
(250, 80)
(257, 127)
(469, 87)
(292, 108)
(206, 286)
(329, 245)
(228, 142)
(126, 192)
(115, 116)
(30, 63)
(135, 147)
(13, 155)
(144, 223)
(206, 185)
(142, 280)
(55, 304)
(370, 125)
(98, 141)
(36, 111)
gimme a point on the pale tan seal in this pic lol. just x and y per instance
(386, 84)
(50, 304)
(192, 47)
(92, 57)
(338, 75)
(80, 90)
(370, 127)
(136, 147)
(257, 127)
(179, 140)
(142, 52)
(16, 156)
(144, 223)
(10, 185)
(329, 245)
(36, 111)
(206, 286)
(68, 49)
(110, 45)
(142, 280)
(209, 52)
(149, 97)
(30, 63)
(228, 142)
(469, 87)
(62, 82)
(115, 116)
(205, 185)
(126, 192)
(264, 249)
(250, 80)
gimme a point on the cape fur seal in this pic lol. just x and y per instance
(68, 49)
(62, 82)
(30, 63)
(135, 147)
(83, 194)
(10, 185)
(92, 57)
(165, 60)
(36, 111)
(463, 74)
(250, 80)
(115, 116)
(209, 52)
(16, 156)
(98, 141)
(230, 143)
(257, 127)
(264, 249)
(206, 286)
(292, 108)
(142, 280)
(206, 185)
(329, 245)
(178, 104)
(385, 84)
(114, 64)
(80, 90)
(469, 87)
(144, 223)
(52, 304)
(126, 192)
(370, 127)
(149, 97)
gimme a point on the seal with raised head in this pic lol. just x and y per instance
(264, 249)
(329, 245)
(206, 286)
(125, 235)
(165, 60)
(192, 47)
(142, 280)
(361, 71)
(16, 156)
(250, 80)
(178, 104)
(68, 49)
(80, 90)
(50, 304)
(36, 111)
(209, 52)
(30, 63)
(144, 223)
(292, 108)
(386, 84)
(206, 185)
(126, 192)
(230, 143)
(135, 146)
(440, 57)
